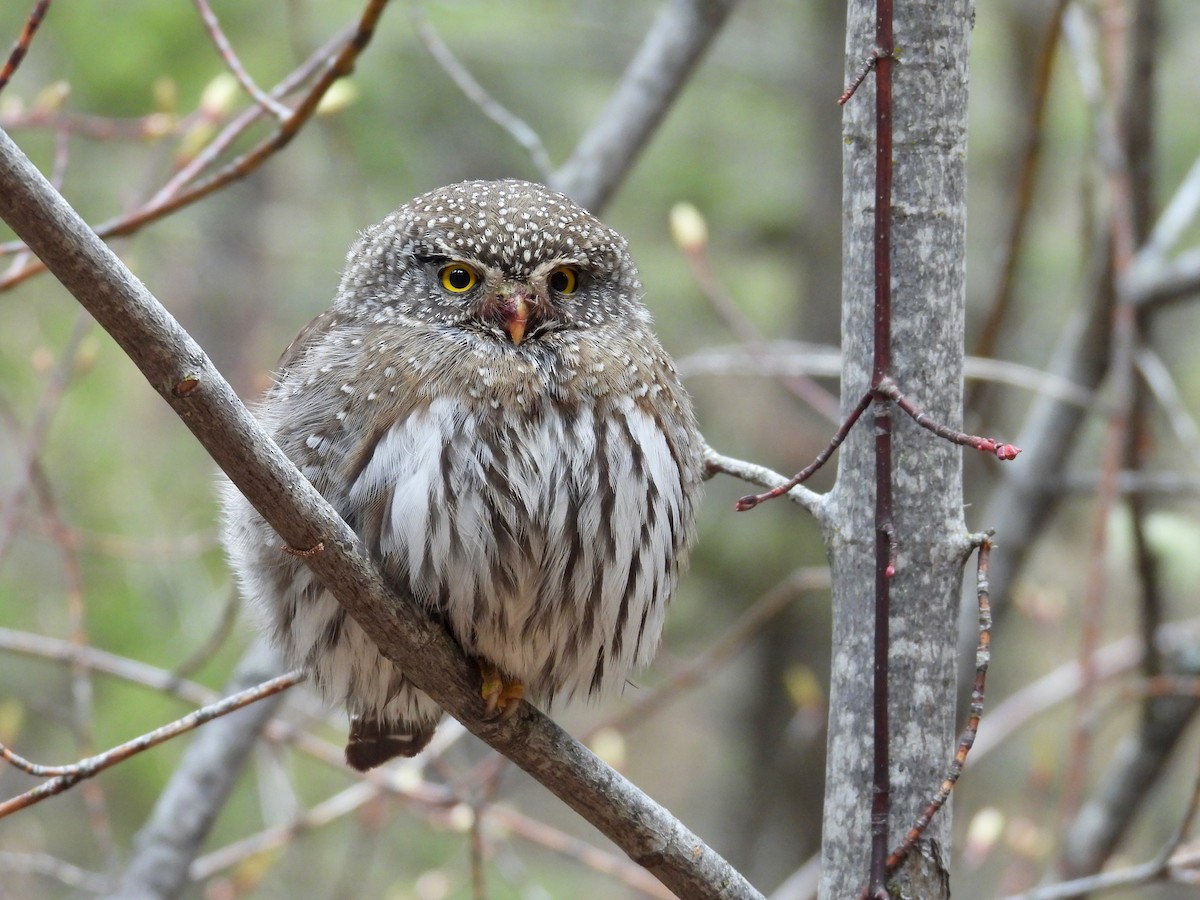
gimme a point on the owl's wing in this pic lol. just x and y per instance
(308, 335)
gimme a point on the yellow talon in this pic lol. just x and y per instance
(501, 695)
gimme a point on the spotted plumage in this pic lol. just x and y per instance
(486, 405)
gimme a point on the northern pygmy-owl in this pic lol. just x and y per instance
(488, 408)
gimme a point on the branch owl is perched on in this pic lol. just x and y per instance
(487, 407)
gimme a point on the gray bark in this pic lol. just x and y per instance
(928, 239)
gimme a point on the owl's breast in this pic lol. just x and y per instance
(539, 535)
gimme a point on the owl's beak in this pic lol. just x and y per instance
(516, 317)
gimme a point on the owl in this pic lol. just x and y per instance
(487, 406)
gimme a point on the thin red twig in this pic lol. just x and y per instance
(867, 67)
(80, 672)
(883, 394)
(983, 655)
(337, 67)
(1006, 452)
(752, 500)
(888, 389)
(21, 47)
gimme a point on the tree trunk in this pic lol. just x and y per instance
(928, 278)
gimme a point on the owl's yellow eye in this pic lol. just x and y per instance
(458, 278)
(564, 280)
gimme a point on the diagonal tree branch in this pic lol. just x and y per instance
(183, 375)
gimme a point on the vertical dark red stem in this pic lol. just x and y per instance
(881, 794)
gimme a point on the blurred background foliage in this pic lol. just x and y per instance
(754, 143)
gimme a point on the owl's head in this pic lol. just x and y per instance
(512, 261)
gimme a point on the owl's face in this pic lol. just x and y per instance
(508, 261)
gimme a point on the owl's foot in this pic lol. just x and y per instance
(501, 694)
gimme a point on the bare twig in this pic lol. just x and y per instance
(321, 814)
(884, 389)
(983, 656)
(1178, 215)
(1154, 278)
(1135, 767)
(213, 27)
(1142, 482)
(1063, 683)
(1173, 280)
(1002, 451)
(372, 785)
(802, 884)
(478, 852)
(80, 672)
(82, 694)
(1021, 504)
(338, 66)
(762, 476)
(885, 535)
(134, 548)
(215, 640)
(21, 47)
(788, 485)
(868, 66)
(1160, 868)
(55, 869)
(1138, 119)
(196, 791)
(1161, 383)
(436, 802)
(64, 777)
(518, 129)
(553, 839)
(237, 126)
(335, 66)
(166, 847)
(152, 126)
(97, 660)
